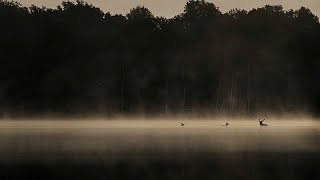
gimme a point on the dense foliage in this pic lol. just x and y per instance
(76, 58)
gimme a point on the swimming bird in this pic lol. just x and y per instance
(182, 124)
(261, 122)
(227, 124)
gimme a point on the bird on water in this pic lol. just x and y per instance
(182, 124)
(227, 124)
(261, 122)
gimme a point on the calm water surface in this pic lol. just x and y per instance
(159, 148)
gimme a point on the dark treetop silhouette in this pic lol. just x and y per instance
(77, 58)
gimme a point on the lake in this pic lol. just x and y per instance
(159, 149)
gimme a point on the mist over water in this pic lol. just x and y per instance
(93, 139)
(159, 149)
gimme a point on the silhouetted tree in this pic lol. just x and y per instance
(78, 59)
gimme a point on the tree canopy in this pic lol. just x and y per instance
(77, 58)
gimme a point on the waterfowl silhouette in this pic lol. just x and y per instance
(227, 124)
(182, 124)
(261, 122)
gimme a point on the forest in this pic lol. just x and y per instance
(78, 59)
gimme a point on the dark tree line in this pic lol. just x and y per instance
(76, 58)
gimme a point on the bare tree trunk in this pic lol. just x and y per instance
(248, 90)
(218, 96)
(252, 88)
(166, 99)
(234, 100)
(231, 96)
(184, 90)
(184, 99)
(127, 105)
(122, 88)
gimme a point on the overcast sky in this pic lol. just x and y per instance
(170, 8)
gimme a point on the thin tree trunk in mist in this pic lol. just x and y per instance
(248, 90)
(231, 95)
(218, 95)
(234, 92)
(184, 90)
(122, 88)
(184, 99)
(252, 88)
(127, 105)
(166, 98)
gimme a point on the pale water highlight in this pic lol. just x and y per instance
(92, 139)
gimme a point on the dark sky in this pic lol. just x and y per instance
(170, 8)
